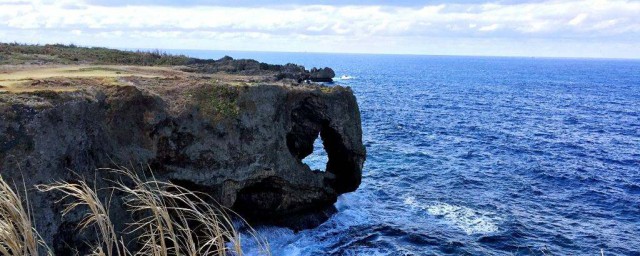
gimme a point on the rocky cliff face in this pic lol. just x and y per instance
(242, 144)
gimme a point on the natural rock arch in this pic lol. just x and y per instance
(311, 119)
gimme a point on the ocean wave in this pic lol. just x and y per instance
(344, 77)
(471, 221)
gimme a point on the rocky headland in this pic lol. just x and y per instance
(236, 130)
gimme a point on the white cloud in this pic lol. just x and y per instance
(491, 27)
(13, 2)
(615, 20)
(578, 19)
(436, 20)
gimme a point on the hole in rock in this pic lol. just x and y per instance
(319, 158)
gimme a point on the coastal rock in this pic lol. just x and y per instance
(294, 72)
(243, 145)
(290, 71)
(249, 67)
(322, 75)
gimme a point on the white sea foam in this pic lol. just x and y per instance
(284, 241)
(471, 221)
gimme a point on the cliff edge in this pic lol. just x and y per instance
(240, 139)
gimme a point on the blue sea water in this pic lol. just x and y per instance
(482, 156)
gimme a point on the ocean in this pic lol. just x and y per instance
(481, 156)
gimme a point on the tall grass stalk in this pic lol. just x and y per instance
(17, 235)
(169, 219)
(83, 195)
(180, 221)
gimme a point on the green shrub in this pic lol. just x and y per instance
(217, 102)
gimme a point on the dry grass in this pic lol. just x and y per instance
(17, 235)
(21, 80)
(179, 221)
(171, 220)
(82, 195)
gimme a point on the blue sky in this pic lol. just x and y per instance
(568, 28)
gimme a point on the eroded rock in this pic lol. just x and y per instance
(243, 145)
(322, 75)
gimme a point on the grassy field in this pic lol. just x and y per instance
(33, 79)
(15, 54)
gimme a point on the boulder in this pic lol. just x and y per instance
(322, 75)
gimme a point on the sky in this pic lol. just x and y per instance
(567, 28)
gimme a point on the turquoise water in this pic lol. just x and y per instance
(483, 156)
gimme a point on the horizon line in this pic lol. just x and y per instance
(397, 54)
(351, 53)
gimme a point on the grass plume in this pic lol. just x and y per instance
(169, 219)
(17, 235)
(82, 194)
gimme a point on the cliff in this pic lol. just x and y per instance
(238, 138)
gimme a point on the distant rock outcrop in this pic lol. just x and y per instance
(252, 67)
(322, 75)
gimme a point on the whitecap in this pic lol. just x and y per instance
(471, 221)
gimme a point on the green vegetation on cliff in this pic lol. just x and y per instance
(15, 53)
(217, 101)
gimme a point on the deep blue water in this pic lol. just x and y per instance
(483, 156)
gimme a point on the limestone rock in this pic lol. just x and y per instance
(322, 75)
(242, 145)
